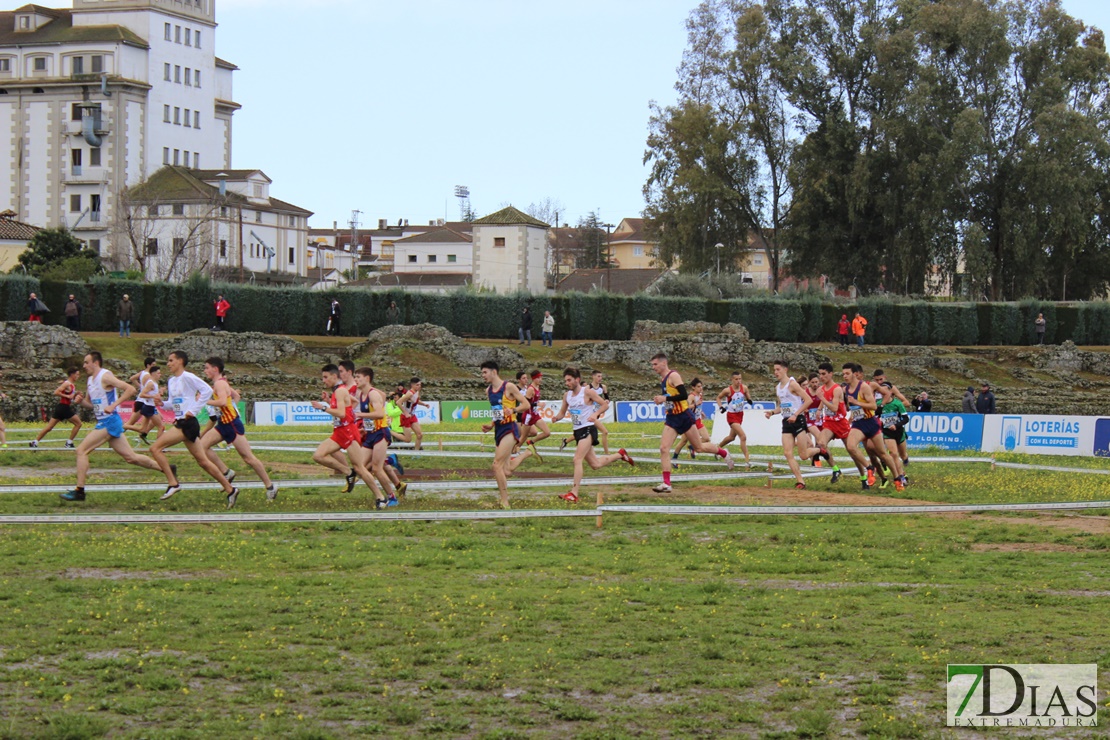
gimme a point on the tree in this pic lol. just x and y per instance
(50, 248)
(595, 248)
(547, 210)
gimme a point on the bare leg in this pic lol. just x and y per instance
(215, 471)
(665, 444)
(788, 451)
(545, 431)
(123, 449)
(501, 467)
(377, 464)
(75, 420)
(604, 432)
(324, 455)
(171, 437)
(360, 457)
(46, 430)
(418, 434)
(92, 440)
(243, 446)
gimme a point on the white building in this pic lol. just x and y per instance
(442, 251)
(97, 98)
(510, 252)
(225, 223)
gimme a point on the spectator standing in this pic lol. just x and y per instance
(843, 328)
(526, 326)
(968, 406)
(333, 317)
(859, 328)
(922, 404)
(36, 308)
(126, 312)
(393, 314)
(72, 312)
(222, 307)
(1041, 324)
(985, 403)
(548, 328)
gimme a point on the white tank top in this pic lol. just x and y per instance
(144, 376)
(790, 403)
(581, 412)
(408, 406)
(100, 398)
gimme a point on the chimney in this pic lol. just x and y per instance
(222, 177)
(383, 224)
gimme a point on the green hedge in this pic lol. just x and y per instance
(166, 308)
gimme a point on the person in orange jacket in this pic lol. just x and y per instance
(859, 328)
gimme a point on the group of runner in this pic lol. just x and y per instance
(868, 416)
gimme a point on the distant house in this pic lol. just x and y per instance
(623, 281)
(442, 250)
(629, 247)
(414, 282)
(510, 251)
(14, 236)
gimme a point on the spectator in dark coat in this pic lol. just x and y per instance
(526, 325)
(984, 404)
(72, 311)
(393, 314)
(126, 312)
(333, 317)
(968, 406)
(922, 404)
(36, 308)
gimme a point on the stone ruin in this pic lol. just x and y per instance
(34, 345)
(238, 347)
(382, 344)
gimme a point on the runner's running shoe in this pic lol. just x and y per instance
(870, 476)
(34, 444)
(73, 495)
(563, 446)
(271, 492)
(232, 498)
(352, 478)
(835, 475)
(535, 452)
(800, 486)
(570, 496)
(662, 488)
(626, 457)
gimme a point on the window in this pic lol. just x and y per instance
(177, 34)
(75, 204)
(94, 245)
(94, 157)
(169, 36)
(5, 65)
(188, 37)
(151, 246)
(75, 160)
(179, 208)
(166, 71)
(452, 258)
(758, 259)
(196, 39)
(196, 119)
(152, 211)
(498, 241)
(188, 119)
(196, 160)
(186, 158)
(178, 245)
(293, 221)
(223, 211)
(75, 112)
(166, 113)
(77, 65)
(177, 73)
(188, 77)
(223, 247)
(97, 63)
(40, 64)
(258, 216)
(176, 156)
(24, 22)
(177, 116)
(165, 155)
(258, 190)
(94, 208)
(196, 78)
(431, 258)
(292, 255)
(637, 251)
(412, 258)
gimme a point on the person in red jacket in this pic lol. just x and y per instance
(843, 328)
(222, 307)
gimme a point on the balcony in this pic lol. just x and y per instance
(79, 175)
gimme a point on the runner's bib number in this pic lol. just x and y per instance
(179, 407)
(856, 414)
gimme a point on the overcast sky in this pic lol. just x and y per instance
(385, 107)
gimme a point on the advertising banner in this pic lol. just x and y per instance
(289, 413)
(455, 411)
(1041, 435)
(636, 411)
(945, 431)
(127, 408)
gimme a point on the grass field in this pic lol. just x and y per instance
(765, 626)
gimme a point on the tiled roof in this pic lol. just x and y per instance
(634, 232)
(511, 216)
(232, 175)
(61, 30)
(404, 279)
(12, 230)
(624, 282)
(172, 184)
(439, 236)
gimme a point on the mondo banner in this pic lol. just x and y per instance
(945, 431)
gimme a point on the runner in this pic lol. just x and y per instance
(697, 393)
(893, 417)
(879, 376)
(375, 440)
(533, 418)
(732, 401)
(679, 420)
(150, 398)
(599, 388)
(103, 395)
(393, 411)
(505, 401)
(65, 409)
(584, 404)
(835, 421)
(408, 403)
(188, 394)
(865, 427)
(229, 429)
(345, 432)
(139, 380)
(815, 422)
(791, 401)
